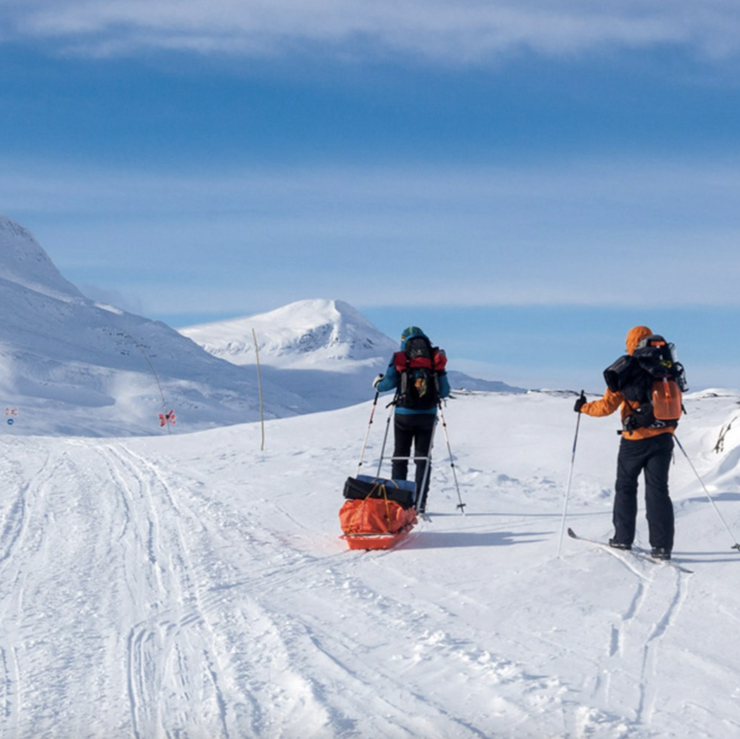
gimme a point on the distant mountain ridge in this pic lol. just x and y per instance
(316, 335)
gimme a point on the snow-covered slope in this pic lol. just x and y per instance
(192, 586)
(307, 337)
(25, 263)
(69, 365)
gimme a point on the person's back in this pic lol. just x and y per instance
(418, 375)
(646, 445)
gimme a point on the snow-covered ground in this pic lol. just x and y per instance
(195, 586)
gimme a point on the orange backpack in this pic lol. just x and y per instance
(667, 399)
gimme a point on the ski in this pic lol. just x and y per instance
(639, 553)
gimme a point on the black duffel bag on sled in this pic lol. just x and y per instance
(362, 487)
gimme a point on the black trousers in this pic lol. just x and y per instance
(653, 456)
(416, 429)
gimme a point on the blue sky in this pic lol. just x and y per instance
(526, 180)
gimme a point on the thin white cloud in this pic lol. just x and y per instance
(597, 234)
(454, 31)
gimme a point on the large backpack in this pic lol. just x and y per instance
(652, 377)
(419, 366)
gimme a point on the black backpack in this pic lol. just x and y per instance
(419, 366)
(652, 377)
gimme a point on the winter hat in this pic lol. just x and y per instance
(411, 331)
(635, 336)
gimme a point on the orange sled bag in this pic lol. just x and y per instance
(375, 522)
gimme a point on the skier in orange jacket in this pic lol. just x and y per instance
(646, 446)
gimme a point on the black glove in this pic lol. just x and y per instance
(579, 403)
(377, 381)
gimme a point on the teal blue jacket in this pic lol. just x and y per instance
(392, 380)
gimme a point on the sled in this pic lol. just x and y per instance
(378, 512)
(376, 541)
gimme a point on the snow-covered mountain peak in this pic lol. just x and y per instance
(325, 349)
(302, 334)
(24, 262)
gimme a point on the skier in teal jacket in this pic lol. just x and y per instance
(417, 373)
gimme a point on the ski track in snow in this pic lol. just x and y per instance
(635, 638)
(182, 589)
(189, 636)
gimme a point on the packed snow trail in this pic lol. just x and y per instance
(192, 587)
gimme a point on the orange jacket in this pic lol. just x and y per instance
(613, 400)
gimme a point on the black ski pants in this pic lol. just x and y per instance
(416, 429)
(653, 456)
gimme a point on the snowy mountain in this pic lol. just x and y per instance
(315, 336)
(308, 334)
(193, 586)
(69, 365)
(25, 264)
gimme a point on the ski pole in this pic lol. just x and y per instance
(425, 477)
(367, 433)
(570, 478)
(711, 500)
(460, 504)
(385, 439)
